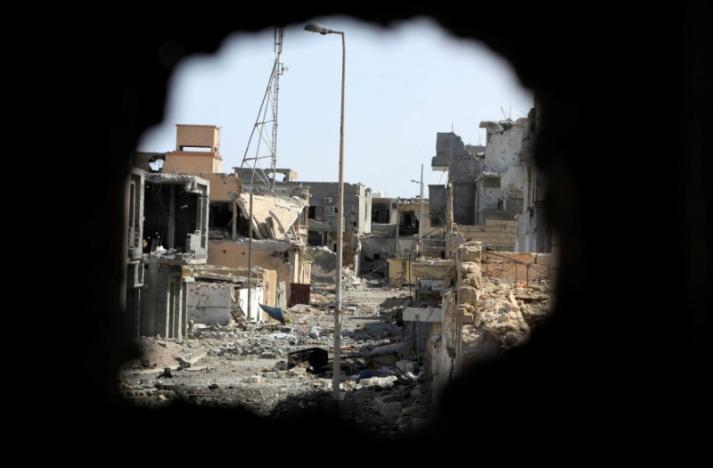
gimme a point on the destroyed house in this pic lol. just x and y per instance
(168, 228)
(278, 221)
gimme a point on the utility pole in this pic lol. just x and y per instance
(336, 369)
(420, 223)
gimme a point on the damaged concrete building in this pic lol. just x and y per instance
(278, 245)
(395, 227)
(493, 194)
(279, 264)
(167, 229)
(533, 234)
(202, 242)
(493, 283)
(463, 164)
(322, 216)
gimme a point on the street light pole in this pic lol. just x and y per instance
(420, 223)
(340, 221)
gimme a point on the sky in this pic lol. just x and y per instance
(403, 85)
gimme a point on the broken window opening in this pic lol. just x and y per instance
(243, 225)
(380, 213)
(171, 215)
(220, 221)
(316, 213)
(408, 223)
(315, 238)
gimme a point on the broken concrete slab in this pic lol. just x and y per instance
(273, 216)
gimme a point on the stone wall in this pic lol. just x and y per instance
(494, 234)
(484, 316)
(517, 267)
(403, 271)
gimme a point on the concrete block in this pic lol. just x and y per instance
(468, 269)
(470, 252)
(468, 295)
(464, 314)
(474, 281)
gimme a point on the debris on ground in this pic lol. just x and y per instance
(281, 369)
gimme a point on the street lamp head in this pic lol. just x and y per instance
(318, 28)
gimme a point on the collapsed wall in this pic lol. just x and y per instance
(483, 314)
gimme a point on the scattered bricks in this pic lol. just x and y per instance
(467, 295)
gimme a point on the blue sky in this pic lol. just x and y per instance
(402, 86)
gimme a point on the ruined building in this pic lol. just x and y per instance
(533, 234)
(395, 227)
(181, 194)
(322, 216)
(167, 230)
(491, 188)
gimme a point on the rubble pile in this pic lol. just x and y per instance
(505, 315)
(282, 371)
(279, 370)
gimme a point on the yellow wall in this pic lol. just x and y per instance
(221, 185)
(235, 255)
(197, 135)
(184, 162)
(399, 271)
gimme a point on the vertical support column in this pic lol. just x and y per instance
(449, 207)
(203, 226)
(150, 307)
(398, 222)
(422, 215)
(184, 309)
(170, 308)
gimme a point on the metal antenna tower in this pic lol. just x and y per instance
(262, 143)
